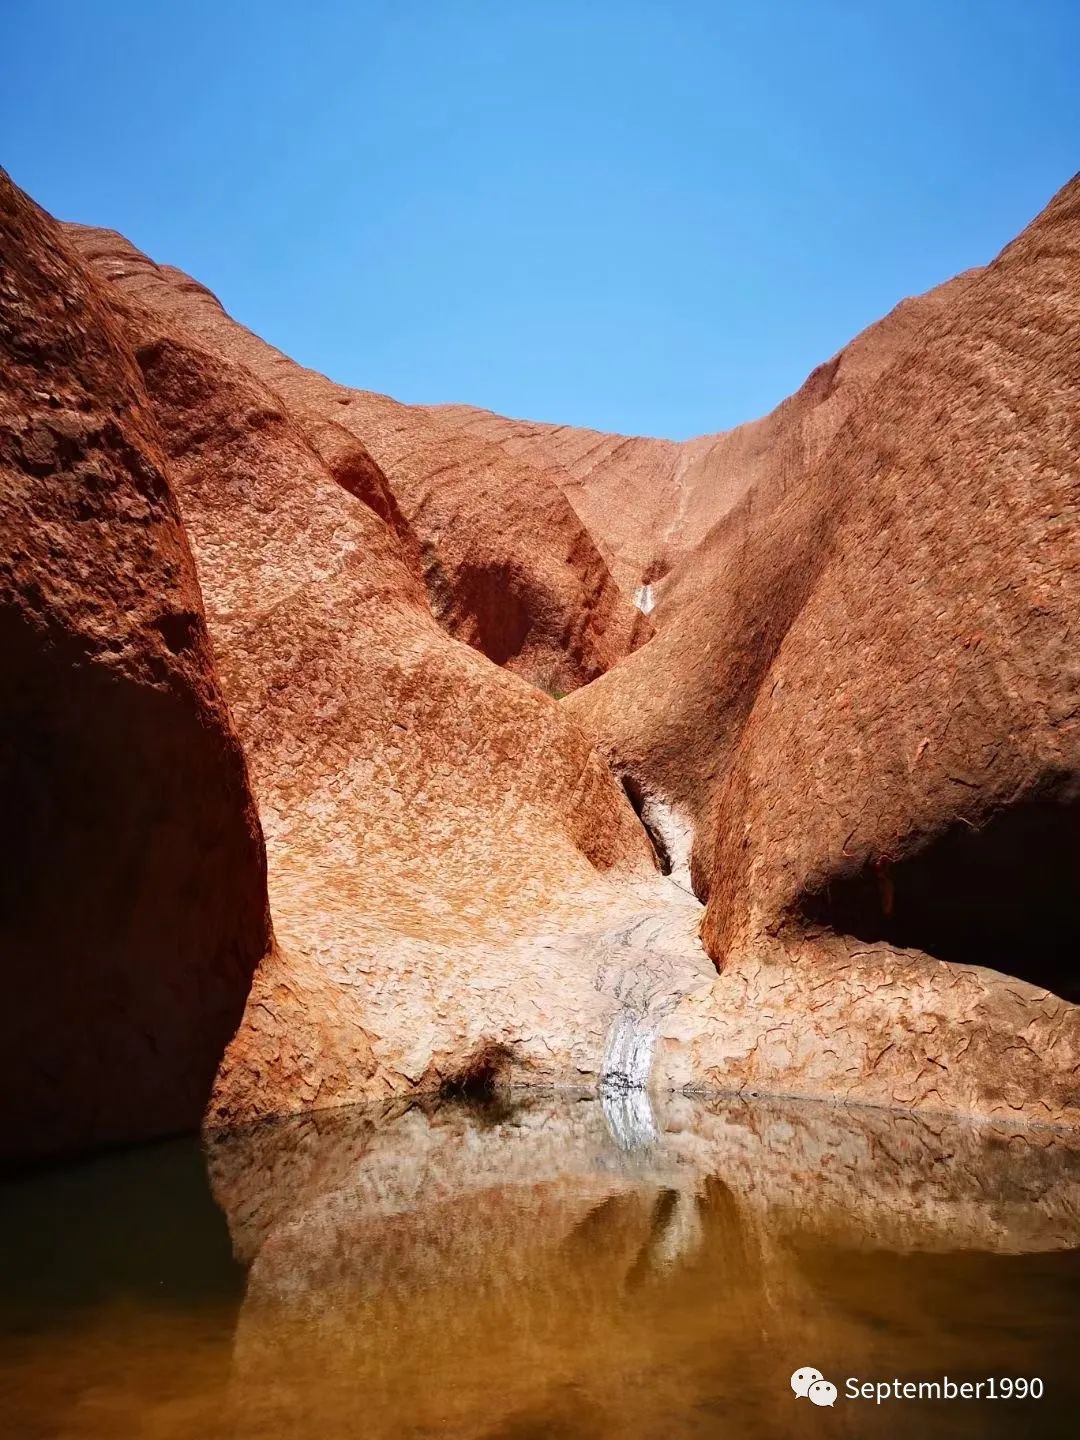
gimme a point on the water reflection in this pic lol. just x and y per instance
(597, 1268)
(591, 1268)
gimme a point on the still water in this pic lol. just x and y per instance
(559, 1268)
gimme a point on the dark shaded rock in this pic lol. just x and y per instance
(132, 881)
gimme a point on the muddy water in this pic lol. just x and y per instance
(562, 1268)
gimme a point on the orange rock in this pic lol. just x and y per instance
(460, 889)
(507, 564)
(854, 731)
(826, 721)
(945, 510)
(662, 512)
(132, 889)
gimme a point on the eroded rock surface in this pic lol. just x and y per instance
(871, 719)
(665, 513)
(132, 884)
(507, 565)
(461, 891)
(854, 733)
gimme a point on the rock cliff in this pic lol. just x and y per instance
(132, 886)
(461, 891)
(853, 732)
(507, 564)
(662, 512)
(871, 722)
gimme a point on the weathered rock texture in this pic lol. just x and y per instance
(507, 565)
(132, 881)
(854, 734)
(871, 719)
(460, 889)
(664, 512)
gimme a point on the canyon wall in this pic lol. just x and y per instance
(663, 512)
(870, 720)
(507, 565)
(132, 887)
(461, 891)
(852, 734)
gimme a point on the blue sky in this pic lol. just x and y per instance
(649, 217)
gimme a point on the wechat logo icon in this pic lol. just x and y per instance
(811, 1384)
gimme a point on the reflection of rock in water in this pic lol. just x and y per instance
(875, 1178)
(629, 1117)
(572, 1264)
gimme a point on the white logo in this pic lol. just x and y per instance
(812, 1385)
(803, 1379)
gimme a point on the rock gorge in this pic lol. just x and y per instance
(746, 764)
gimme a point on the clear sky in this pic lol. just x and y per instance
(653, 216)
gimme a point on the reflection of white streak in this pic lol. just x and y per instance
(624, 1075)
(681, 1236)
(644, 598)
(629, 1117)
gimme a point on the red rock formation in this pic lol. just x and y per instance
(874, 710)
(662, 512)
(456, 879)
(626, 488)
(925, 678)
(859, 708)
(508, 566)
(673, 740)
(132, 888)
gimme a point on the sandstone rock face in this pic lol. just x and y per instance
(461, 891)
(911, 764)
(854, 734)
(881, 696)
(132, 892)
(507, 565)
(664, 513)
